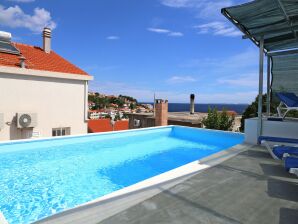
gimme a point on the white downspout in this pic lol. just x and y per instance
(86, 101)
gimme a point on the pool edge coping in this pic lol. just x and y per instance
(20, 141)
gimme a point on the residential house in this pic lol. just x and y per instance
(42, 94)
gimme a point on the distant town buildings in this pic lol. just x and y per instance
(103, 106)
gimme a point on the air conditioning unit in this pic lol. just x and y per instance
(26, 120)
(1, 121)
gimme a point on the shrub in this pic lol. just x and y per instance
(218, 120)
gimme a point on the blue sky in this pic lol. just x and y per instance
(133, 47)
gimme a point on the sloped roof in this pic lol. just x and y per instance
(275, 20)
(37, 59)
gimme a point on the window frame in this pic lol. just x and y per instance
(61, 131)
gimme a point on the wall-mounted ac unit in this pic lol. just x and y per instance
(1, 121)
(26, 120)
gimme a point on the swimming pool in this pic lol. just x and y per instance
(42, 177)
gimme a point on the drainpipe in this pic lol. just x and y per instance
(86, 101)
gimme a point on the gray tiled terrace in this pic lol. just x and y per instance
(248, 188)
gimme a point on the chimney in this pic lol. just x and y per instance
(192, 103)
(161, 112)
(46, 36)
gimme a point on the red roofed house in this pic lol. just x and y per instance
(42, 94)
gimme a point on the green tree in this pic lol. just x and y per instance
(91, 98)
(218, 120)
(101, 102)
(120, 102)
(125, 116)
(132, 106)
(211, 121)
(129, 98)
(225, 122)
(117, 116)
(108, 116)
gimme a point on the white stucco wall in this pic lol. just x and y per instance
(57, 102)
(286, 129)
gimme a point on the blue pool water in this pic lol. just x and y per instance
(43, 177)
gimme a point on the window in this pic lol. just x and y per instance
(60, 131)
(136, 123)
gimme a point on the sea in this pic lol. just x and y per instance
(180, 107)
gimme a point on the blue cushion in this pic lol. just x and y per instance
(291, 162)
(279, 151)
(290, 99)
(277, 139)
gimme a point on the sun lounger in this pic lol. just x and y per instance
(279, 149)
(294, 171)
(291, 163)
(288, 102)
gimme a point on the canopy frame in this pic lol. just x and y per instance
(292, 28)
(283, 40)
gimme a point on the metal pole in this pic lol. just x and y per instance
(154, 105)
(268, 84)
(261, 70)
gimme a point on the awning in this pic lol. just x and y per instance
(274, 20)
(284, 74)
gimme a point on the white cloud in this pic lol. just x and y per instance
(235, 97)
(146, 95)
(210, 12)
(15, 17)
(180, 79)
(22, 1)
(236, 72)
(158, 30)
(203, 8)
(246, 80)
(219, 29)
(165, 31)
(177, 3)
(112, 38)
(242, 61)
(176, 34)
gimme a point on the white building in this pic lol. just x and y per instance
(96, 114)
(42, 94)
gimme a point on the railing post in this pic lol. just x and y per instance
(268, 84)
(260, 102)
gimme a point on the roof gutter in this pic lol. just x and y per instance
(41, 73)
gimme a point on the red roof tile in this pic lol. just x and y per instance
(37, 59)
(104, 125)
